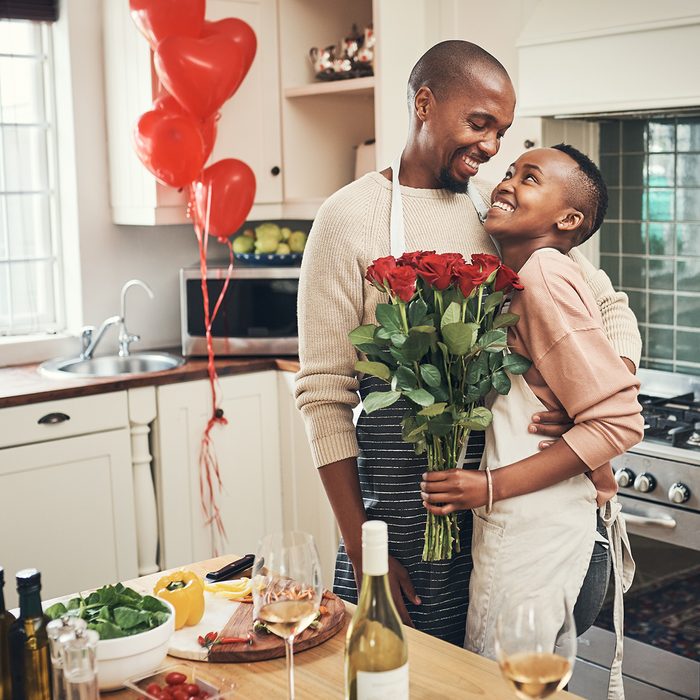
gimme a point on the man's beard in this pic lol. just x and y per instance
(447, 182)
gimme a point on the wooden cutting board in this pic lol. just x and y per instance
(270, 646)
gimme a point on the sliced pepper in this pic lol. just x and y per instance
(185, 591)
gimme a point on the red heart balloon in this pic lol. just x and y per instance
(170, 146)
(240, 32)
(207, 127)
(200, 74)
(228, 188)
(157, 19)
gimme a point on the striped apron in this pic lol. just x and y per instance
(390, 474)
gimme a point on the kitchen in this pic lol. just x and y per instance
(116, 224)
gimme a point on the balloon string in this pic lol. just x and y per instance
(208, 462)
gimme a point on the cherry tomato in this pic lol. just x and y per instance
(153, 689)
(180, 693)
(175, 678)
(203, 695)
(192, 689)
(166, 693)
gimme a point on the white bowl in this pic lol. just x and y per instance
(124, 657)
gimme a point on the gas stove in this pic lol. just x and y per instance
(674, 421)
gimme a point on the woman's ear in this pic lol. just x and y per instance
(570, 221)
(423, 102)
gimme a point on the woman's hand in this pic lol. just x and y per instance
(453, 489)
(550, 424)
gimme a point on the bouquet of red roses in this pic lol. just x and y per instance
(440, 342)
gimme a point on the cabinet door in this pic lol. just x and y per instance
(67, 509)
(248, 454)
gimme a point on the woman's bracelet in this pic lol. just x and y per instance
(489, 486)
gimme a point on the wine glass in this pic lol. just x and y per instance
(287, 588)
(536, 645)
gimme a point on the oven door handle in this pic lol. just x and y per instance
(665, 521)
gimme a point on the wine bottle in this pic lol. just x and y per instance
(30, 656)
(6, 619)
(376, 654)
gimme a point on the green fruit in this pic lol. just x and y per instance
(297, 242)
(283, 249)
(286, 233)
(243, 244)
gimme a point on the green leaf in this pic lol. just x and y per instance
(127, 618)
(389, 316)
(380, 399)
(107, 630)
(492, 301)
(484, 386)
(495, 360)
(362, 335)
(398, 339)
(416, 345)
(477, 368)
(505, 320)
(376, 369)
(148, 602)
(431, 375)
(501, 382)
(435, 410)
(74, 603)
(424, 329)
(440, 425)
(421, 397)
(441, 393)
(159, 618)
(479, 419)
(493, 341)
(406, 380)
(417, 311)
(516, 364)
(453, 314)
(459, 337)
(55, 611)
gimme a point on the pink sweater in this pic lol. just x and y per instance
(574, 365)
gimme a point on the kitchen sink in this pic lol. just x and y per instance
(111, 365)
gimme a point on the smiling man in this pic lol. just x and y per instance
(461, 104)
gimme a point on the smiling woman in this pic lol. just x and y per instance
(30, 264)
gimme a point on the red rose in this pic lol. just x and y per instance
(468, 277)
(377, 272)
(402, 282)
(413, 258)
(436, 270)
(488, 263)
(506, 278)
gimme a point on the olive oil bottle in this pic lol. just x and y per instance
(30, 655)
(6, 619)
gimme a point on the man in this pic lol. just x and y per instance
(461, 103)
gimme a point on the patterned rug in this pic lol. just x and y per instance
(664, 614)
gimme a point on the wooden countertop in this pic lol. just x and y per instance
(23, 384)
(437, 669)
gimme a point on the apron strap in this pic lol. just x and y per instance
(396, 228)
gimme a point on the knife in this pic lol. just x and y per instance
(230, 570)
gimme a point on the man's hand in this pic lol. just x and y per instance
(550, 424)
(453, 489)
(400, 584)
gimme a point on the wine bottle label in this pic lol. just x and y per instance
(383, 685)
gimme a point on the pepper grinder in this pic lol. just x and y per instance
(59, 632)
(80, 666)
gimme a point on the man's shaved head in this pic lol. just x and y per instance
(452, 65)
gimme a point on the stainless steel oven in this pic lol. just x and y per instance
(659, 489)
(258, 313)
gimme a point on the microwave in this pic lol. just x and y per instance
(257, 316)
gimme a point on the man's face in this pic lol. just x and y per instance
(532, 197)
(465, 129)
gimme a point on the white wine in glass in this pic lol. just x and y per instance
(287, 588)
(536, 646)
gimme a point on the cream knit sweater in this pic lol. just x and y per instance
(349, 232)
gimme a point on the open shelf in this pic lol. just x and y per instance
(357, 86)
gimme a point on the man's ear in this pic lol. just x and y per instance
(570, 221)
(423, 102)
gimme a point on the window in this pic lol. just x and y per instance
(31, 297)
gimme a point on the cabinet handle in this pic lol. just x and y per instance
(276, 170)
(53, 418)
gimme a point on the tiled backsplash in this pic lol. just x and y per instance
(650, 241)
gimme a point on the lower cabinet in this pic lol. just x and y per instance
(67, 509)
(248, 454)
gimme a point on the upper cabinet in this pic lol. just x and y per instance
(249, 128)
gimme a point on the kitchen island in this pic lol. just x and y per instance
(437, 669)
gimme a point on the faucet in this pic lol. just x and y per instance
(90, 339)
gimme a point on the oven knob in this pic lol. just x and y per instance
(645, 482)
(678, 493)
(624, 477)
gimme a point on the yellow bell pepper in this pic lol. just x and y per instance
(185, 591)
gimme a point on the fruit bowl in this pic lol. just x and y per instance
(269, 259)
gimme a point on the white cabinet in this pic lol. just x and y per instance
(249, 128)
(67, 500)
(249, 458)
